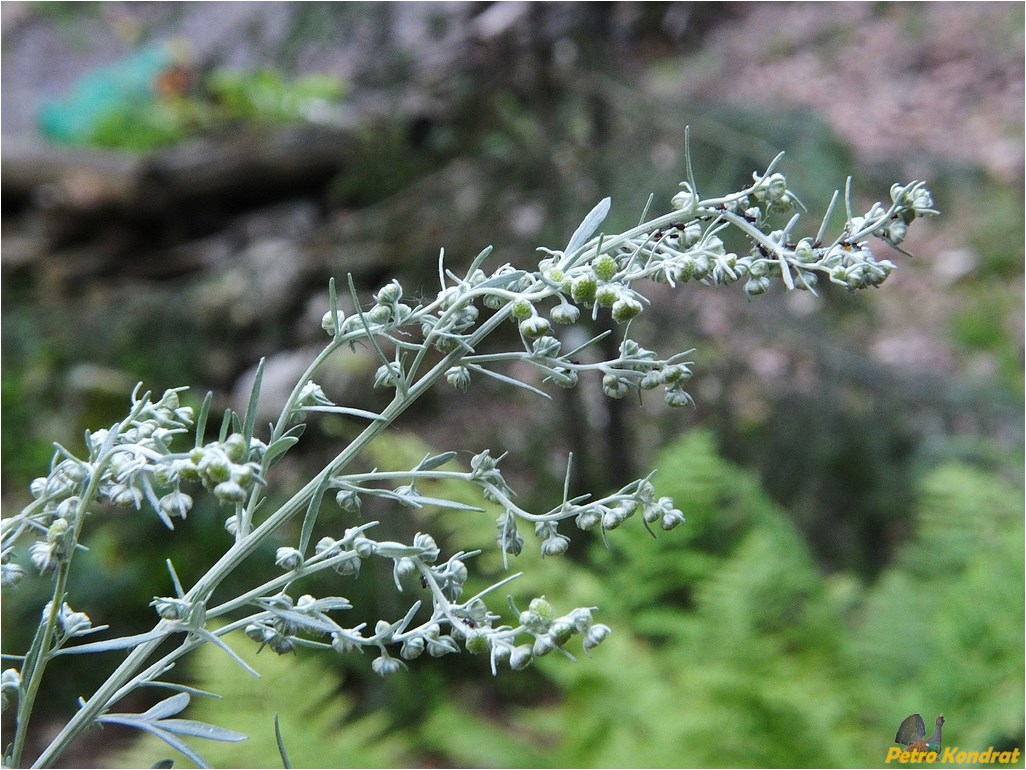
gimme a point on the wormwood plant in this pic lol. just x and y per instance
(141, 463)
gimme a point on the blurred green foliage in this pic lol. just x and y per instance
(154, 98)
(730, 647)
(319, 725)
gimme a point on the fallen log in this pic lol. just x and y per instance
(252, 163)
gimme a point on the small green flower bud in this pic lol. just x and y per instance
(73, 623)
(651, 379)
(607, 295)
(478, 642)
(593, 636)
(676, 397)
(625, 308)
(494, 301)
(522, 309)
(458, 571)
(896, 231)
(125, 496)
(804, 252)
(581, 619)
(389, 293)
(686, 200)
(443, 645)
(546, 346)
(326, 545)
(11, 574)
(555, 546)
(554, 275)
(332, 325)
(56, 532)
(588, 519)
(564, 378)
(564, 314)
(412, 647)
(288, 558)
(379, 314)
(170, 609)
(613, 518)
(583, 289)
(428, 547)
(615, 386)
(387, 376)
(187, 470)
(166, 474)
(44, 556)
(235, 447)
(176, 504)
(604, 267)
(534, 327)
(543, 645)
(364, 547)
(561, 631)
(521, 657)
(459, 378)
(349, 501)
(671, 519)
(674, 373)
(756, 286)
(343, 645)
(282, 645)
(541, 607)
(230, 492)
(405, 566)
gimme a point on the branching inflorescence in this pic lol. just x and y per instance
(135, 463)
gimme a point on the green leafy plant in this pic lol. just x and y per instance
(137, 463)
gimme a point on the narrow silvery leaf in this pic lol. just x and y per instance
(510, 381)
(281, 744)
(430, 463)
(500, 281)
(348, 410)
(218, 642)
(166, 708)
(306, 621)
(312, 511)
(589, 225)
(277, 448)
(121, 643)
(421, 500)
(131, 720)
(254, 400)
(200, 730)
(182, 688)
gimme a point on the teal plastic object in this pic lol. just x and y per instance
(104, 92)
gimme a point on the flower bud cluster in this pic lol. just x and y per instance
(126, 465)
(640, 369)
(223, 467)
(552, 632)
(609, 513)
(387, 312)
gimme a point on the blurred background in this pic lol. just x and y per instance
(180, 180)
